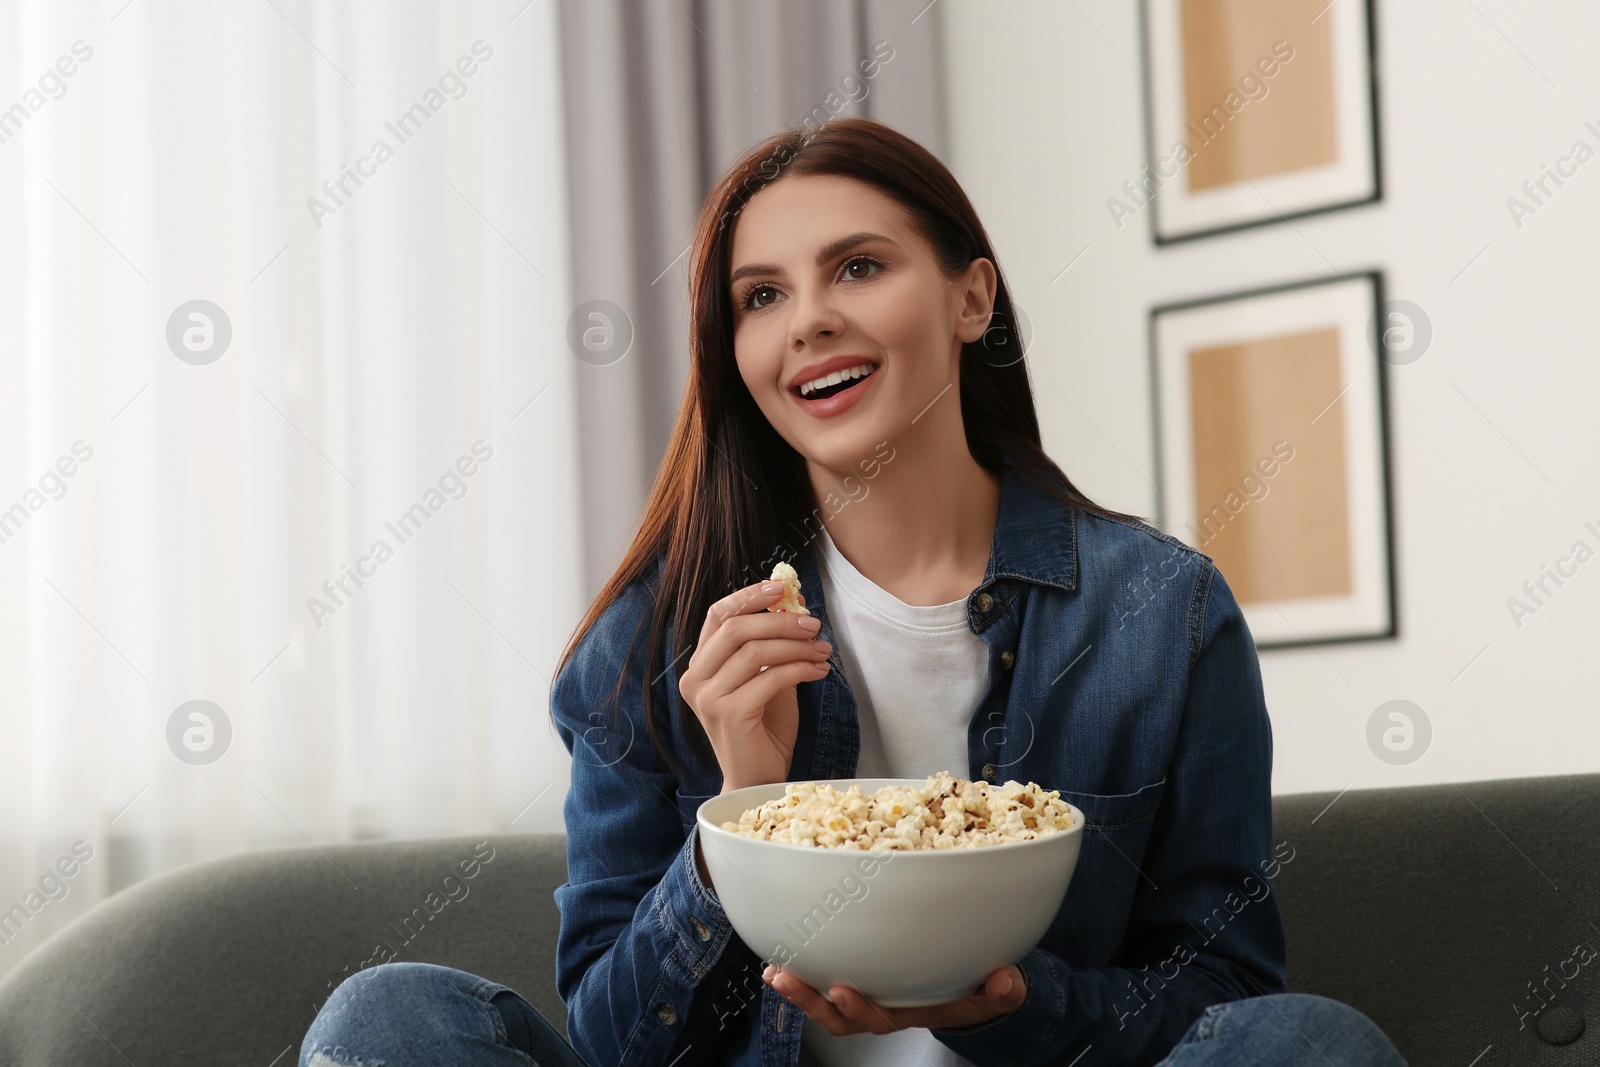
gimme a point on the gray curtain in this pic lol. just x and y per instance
(660, 97)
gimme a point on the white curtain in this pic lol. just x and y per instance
(169, 516)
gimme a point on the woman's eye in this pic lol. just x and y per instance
(862, 262)
(750, 302)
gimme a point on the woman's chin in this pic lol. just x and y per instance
(851, 453)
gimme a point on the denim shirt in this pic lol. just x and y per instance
(1121, 673)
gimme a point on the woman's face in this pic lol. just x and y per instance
(830, 274)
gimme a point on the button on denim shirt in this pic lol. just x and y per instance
(1121, 672)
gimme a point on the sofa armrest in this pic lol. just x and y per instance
(228, 961)
(1452, 915)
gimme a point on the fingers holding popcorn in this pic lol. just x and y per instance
(740, 681)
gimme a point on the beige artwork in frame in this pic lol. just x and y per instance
(1272, 449)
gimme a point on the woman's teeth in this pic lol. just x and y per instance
(836, 377)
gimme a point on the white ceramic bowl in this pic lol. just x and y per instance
(919, 927)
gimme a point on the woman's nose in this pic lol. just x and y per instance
(815, 315)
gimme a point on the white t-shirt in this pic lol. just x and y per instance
(917, 674)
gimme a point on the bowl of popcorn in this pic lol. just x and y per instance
(910, 890)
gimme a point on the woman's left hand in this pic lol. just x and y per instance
(851, 1013)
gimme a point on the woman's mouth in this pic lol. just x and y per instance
(823, 397)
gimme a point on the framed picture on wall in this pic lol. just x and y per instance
(1257, 111)
(1272, 453)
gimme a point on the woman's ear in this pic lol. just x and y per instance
(976, 289)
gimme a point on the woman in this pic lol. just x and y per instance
(858, 405)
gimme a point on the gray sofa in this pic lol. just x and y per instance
(1464, 920)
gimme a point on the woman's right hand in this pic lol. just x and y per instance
(741, 681)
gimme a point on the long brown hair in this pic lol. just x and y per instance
(732, 497)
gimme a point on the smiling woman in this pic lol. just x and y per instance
(965, 617)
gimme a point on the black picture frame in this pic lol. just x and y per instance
(1373, 115)
(1376, 339)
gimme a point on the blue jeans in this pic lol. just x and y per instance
(1282, 1029)
(396, 1014)
(399, 1014)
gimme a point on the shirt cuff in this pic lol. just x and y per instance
(1008, 1038)
(691, 913)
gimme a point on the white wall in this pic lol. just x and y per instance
(1047, 123)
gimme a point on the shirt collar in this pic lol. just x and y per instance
(1035, 536)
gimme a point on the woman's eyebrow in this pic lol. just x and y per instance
(827, 252)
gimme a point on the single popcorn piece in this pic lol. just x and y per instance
(791, 590)
(944, 812)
